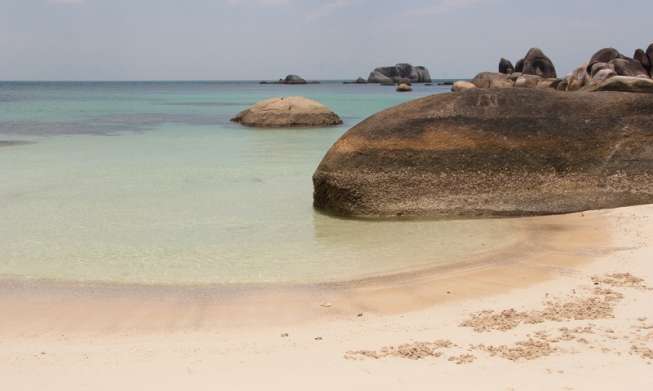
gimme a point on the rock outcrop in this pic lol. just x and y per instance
(403, 87)
(462, 85)
(537, 63)
(393, 74)
(493, 152)
(293, 111)
(505, 66)
(625, 84)
(291, 80)
(537, 71)
(492, 80)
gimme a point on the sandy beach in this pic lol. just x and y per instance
(568, 308)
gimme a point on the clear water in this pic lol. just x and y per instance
(150, 183)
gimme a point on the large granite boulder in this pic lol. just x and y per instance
(292, 111)
(404, 87)
(603, 55)
(462, 85)
(537, 63)
(506, 67)
(578, 79)
(493, 152)
(378, 77)
(642, 58)
(629, 67)
(492, 80)
(417, 74)
(624, 84)
(294, 79)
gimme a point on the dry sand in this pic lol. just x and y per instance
(567, 309)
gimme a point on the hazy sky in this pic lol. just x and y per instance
(318, 39)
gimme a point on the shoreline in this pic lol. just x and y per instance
(600, 337)
(541, 252)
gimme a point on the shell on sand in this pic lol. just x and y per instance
(292, 111)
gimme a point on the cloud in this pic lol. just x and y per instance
(445, 6)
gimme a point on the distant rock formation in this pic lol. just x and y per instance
(404, 87)
(360, 80)
(291, 80)
(293, 111)
(393, 74)
(493, 152)
(536, 70)
(505, 66)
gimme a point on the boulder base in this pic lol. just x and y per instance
(497, 152)
(293, 111)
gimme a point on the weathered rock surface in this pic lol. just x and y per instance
(603, 55)
(625, 84)
(578, 79)
(293, 111)
(403, 87)
(492, 80)
(506, 67)
(291, 80)
(527, 81)
(629, 67)
(537, 63)
(462, 85)
(383, 75)
(497, 152)
(294, 79)
(643, 59)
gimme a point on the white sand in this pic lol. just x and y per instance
(50, 352)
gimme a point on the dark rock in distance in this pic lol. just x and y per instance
(629, 67)
(537, 63)
(497, 152)
(418, 74)
(603, 55)
(505, 66)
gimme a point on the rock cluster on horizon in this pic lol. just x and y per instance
(400, 73)
(606, 70)
(291, 80)
(292, 111)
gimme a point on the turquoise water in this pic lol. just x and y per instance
(150, 183)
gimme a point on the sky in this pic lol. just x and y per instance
(317, 39)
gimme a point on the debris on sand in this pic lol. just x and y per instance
(598, 306)
(623, 280)
(463, 359)
(522, 350)
(412, 351)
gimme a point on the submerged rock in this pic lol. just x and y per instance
(497, 152)
(293, 111)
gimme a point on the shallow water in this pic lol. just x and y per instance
(150, 183)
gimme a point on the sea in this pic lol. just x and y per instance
(150, 183)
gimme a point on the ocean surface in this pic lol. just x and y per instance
(150, 183)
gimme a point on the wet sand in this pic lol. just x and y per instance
(563, 309)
